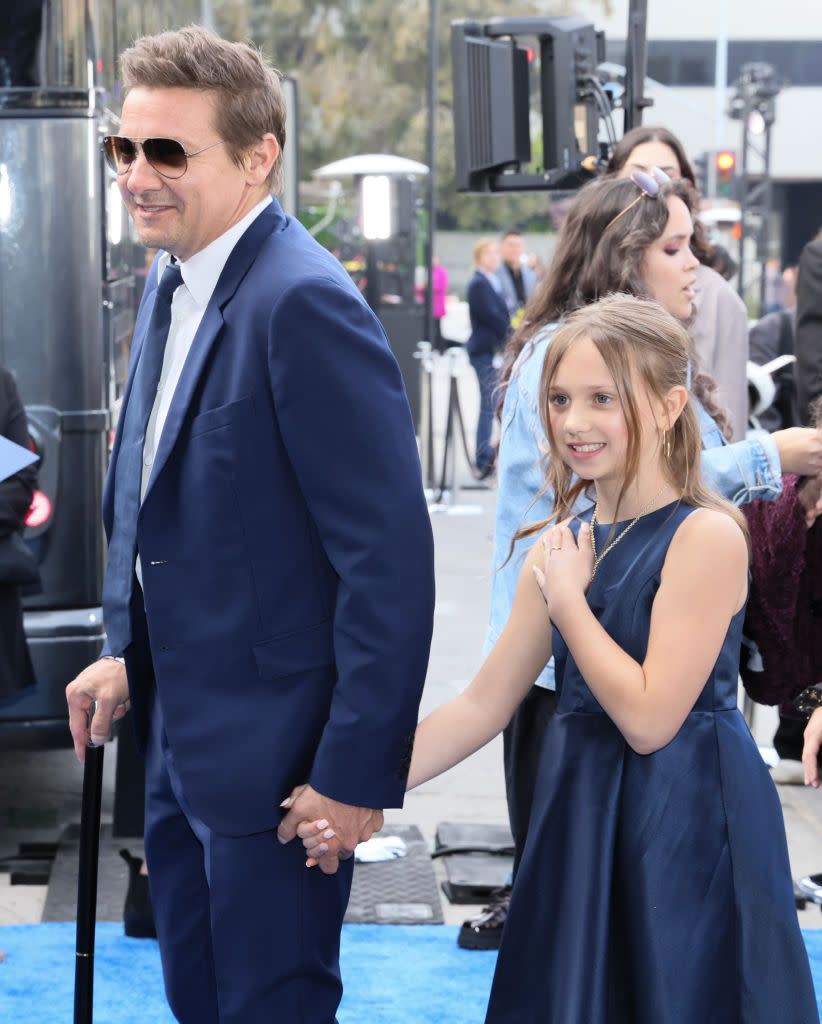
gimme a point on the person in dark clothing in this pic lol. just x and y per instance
(516, 278)
(16, 670)
(489, 331)
(774, 335)
(809, 327)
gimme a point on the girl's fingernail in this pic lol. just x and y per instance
(322, 848)
(329, 833)
(286, 802)
(321, 825)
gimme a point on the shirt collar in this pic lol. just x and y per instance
(202, 271)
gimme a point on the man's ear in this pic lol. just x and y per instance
(261, 158)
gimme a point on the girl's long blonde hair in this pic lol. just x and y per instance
(636, 338)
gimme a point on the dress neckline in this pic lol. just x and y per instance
(623, 522)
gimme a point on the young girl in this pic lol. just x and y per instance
(654, 887)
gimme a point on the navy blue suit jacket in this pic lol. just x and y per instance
(285, 544)
(489, 317)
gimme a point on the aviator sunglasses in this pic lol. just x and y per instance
(166, 156)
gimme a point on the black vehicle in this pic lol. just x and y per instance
(71, 275)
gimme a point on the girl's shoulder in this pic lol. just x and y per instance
(706, 535)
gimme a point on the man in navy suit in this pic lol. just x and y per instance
(489, 332)
(269, 592)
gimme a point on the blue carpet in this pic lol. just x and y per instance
(393, 975)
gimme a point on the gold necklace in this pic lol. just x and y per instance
(619, 536)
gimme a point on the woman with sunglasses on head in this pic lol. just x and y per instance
(719, 326)
(616, 238)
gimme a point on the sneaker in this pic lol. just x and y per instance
(485, 930)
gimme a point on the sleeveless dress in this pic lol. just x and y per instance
(654, 889)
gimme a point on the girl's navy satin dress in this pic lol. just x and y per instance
(653, 889)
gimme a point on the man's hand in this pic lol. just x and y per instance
(105, 682)
(810, 751)
(342, 825)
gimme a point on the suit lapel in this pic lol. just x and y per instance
(237, 266)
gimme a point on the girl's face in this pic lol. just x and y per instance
(587, 418)
(668, 265)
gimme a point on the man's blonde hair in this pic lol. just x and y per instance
(480, 247)
(249, 99)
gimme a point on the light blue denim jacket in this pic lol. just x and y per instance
(740, 472)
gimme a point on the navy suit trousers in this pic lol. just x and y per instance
(248, 934)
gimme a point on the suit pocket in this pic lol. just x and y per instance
(296, 652)
(213, 419)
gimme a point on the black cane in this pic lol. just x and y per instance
(87, 885)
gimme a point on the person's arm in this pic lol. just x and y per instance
(347, 428)
(16, 491)
(745, 470)
(459, 728)
(703, 585)
(810, 749)
(809, 327)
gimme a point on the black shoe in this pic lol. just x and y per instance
(138, 914)
(485, 930)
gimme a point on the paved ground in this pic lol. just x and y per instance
(40, 793)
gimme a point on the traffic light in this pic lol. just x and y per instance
(725, 164)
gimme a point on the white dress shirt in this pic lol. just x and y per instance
(188, 304)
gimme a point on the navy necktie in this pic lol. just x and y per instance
(122, 549)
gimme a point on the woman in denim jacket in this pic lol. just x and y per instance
(618, 237)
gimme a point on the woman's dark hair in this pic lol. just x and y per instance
(638, 137)
(600, 253)
(700, 246)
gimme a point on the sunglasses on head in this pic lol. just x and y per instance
(166, 156)
(648, 185)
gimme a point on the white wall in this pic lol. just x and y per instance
(796, 138)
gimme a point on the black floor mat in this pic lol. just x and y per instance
(401, 891)
(473, 875)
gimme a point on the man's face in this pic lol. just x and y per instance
(182, 215)
(512, 249)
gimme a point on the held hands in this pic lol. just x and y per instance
(334, 828)
(566, 567)
(105, 683)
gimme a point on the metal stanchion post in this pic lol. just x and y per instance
(453, 413)
(423, 354)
